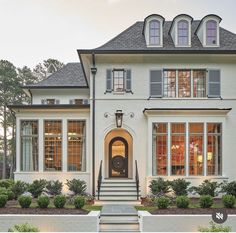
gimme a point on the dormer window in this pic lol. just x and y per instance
(154, 32)
(211, 32)
(180, 30)
(208, 31)
(183, 33)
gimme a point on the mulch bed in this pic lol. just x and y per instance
(190, 211)
(11, 208)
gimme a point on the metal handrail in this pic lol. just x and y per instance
(137, 179)
(99, 179)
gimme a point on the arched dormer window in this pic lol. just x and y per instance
(211, 32)
(183, 33)
(154, 32)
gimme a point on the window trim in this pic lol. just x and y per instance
(205, 33)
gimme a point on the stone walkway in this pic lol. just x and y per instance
(118, 209)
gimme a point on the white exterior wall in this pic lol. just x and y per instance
(64, 95)
(58, 175)
(140, 126)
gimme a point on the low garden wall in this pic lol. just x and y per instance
(178, 223)
(54, 223)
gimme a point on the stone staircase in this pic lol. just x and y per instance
(119, 218)
(118, 190)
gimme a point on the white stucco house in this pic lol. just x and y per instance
(159, 98)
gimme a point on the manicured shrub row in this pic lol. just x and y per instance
(180, 187)
(44, 201)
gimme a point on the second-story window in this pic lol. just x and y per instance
(118, 80)
(199, 83)
(154, 32)
(184, 81)
(183, 33)
(211, 32)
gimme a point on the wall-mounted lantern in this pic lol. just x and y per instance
(119, 118)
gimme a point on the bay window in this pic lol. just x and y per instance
(29, 145)
(160, 148)
(76, 145)
(53, 145)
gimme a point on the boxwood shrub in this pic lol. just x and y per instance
(79, 202)
(182, 202)
(206, 201)
(3, 201)
(228, 201)
(43, 202)
(59, 201)
(25, 201)
(162, 202)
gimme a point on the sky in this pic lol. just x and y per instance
(34, 30)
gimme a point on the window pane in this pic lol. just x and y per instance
(184, 79)
(118, 80)
(160, 149)
(214, 151)
(53, 145)
(178, 149)
(29, 146)
(154, 32)
(196, 152)
(211, 32)
(169, 83)
(183, 32)
(199, 83)
(76, 146)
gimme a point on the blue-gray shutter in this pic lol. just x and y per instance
(214, 83)
(109, 81)
(156, 83)
(128, 80)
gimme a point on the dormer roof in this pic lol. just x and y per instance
(152, 16)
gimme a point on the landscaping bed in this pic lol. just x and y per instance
(12, 207)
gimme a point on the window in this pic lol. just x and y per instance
(29, 145)
(199, 83)
(154, 32)
(184, 82)
(50, 101)
(53, 145)
(214, 149)
(118, 80)
(169, 83)
(160, 148)
(211, 32)
(178, 148)
(76, 145)
(196, 153)
(183, 33)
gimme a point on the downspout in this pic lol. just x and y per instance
(93, 71)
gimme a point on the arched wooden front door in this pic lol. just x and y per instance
(118, 157)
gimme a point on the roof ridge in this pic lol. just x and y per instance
(119, 34)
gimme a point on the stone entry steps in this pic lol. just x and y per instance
(118, 190)
(119, 218)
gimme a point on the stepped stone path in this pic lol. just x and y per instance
(119, 218)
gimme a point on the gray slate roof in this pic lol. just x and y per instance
(133, 39)
(71, 76)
